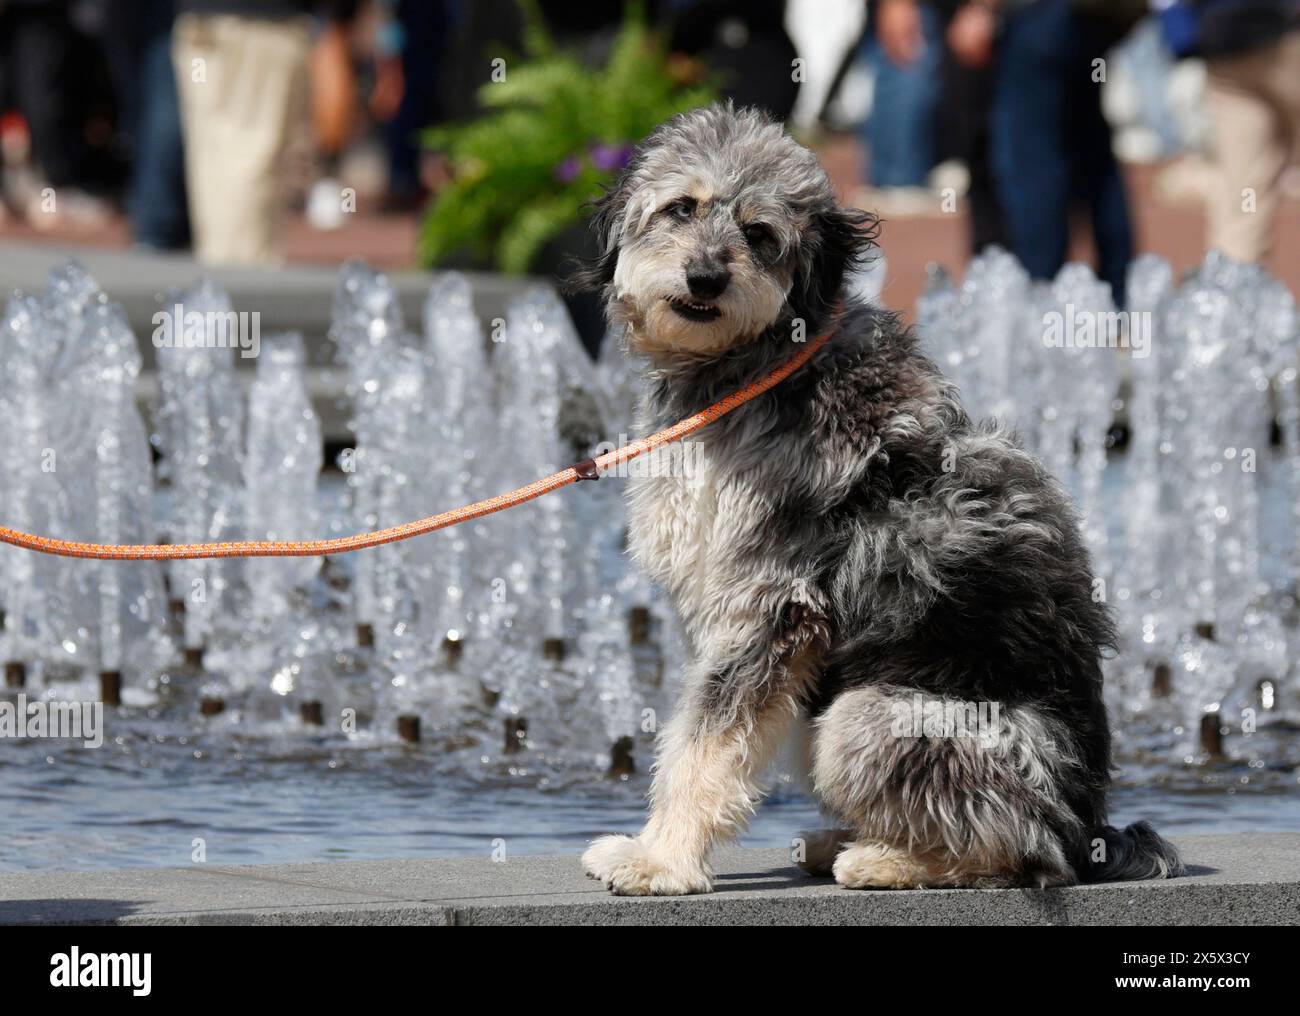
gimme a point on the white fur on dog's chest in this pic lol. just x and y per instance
(671, 521)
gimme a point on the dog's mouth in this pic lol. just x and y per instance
(693, 311)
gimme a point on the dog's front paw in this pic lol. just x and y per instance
(605, 854)
(629, 868)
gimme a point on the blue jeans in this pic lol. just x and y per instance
(1052, 146)
(156, 200)
(900, 132)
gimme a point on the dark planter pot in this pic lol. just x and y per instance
(557, 259)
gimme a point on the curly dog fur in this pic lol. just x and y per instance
(852, 552)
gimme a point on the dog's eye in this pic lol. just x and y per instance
(681, 209)
(757, 235)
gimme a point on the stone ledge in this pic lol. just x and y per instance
(1246, 880)
(289, 297)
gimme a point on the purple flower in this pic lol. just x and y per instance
(609, 158)
(568, 170)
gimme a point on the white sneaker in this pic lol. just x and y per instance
(66, 208)
(899, 202)
(325, 204)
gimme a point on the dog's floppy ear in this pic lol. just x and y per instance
(836, 241)
(604, 230)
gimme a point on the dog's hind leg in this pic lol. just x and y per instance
(976, 808)
(814, 851)
(866, 864)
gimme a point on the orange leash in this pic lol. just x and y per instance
(589, 469)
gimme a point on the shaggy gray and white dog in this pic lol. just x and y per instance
(852, 552)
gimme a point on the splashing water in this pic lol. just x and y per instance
(524, 645)
(79, 465)
(1178, 543)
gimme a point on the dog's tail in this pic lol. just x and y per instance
(1135, 852)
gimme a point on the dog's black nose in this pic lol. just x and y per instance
(707, 279)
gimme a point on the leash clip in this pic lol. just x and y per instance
(587, 470)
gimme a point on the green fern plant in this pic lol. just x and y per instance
(554, 134)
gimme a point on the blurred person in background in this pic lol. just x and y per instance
(242, 74)
(334, 122)
(408, 41)
(963, 125)
(1051, 146)
(743, 44)
(480, 30)
(52, 73)
(903, 45)
(138, 41)
(1252, 54)
(409, 61)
